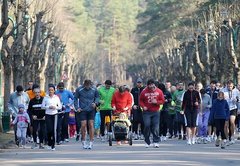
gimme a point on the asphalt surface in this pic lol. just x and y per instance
(170, 152)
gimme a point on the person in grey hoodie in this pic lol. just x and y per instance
(203, 116)
(16, 98)
(21, 120)
(232, 95)
(86, 99)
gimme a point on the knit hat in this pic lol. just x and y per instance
(21, 106)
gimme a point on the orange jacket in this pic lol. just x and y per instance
(31, 94)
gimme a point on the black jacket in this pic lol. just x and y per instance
(136, 94)
(189, 99)
(34, 108)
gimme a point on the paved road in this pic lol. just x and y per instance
(171, 152)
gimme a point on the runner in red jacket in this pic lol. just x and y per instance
(122, 101)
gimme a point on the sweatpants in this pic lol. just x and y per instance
(21, 135)
(203, 123)
(151, 124)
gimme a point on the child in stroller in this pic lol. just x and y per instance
(121, 128)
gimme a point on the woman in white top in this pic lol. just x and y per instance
(51, 103)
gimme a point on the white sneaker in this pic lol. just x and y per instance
(49, 147)
(164, 138)
(142, 137)
(53, 149)
(66, 140)
(232, 142)
(38, 141)
(102, 138)
(84, 143)
(189, 142)
(34, 146)
(161, 138)
(24, 146)
(205, 141)
(135, 137)
(90, 146)
(193, 140)
(147, 145)
(156, 145)
(209, 139)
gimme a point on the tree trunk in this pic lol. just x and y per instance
(207, 67)
(7, 73)
(5, 21)
(232, 53)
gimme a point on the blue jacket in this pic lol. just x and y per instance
(83, 98)
(213, 94)
(66, 97)
(220, 109)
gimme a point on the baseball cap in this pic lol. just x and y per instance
(139, 80)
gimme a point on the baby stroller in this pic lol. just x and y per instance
(121, 130)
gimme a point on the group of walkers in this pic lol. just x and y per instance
(158, 111)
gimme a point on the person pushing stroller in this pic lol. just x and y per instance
(121, 104)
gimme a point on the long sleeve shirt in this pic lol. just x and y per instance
(148, 95)
(232, 97)
(66, 97)
(15, 100)
(51, 101)
(84, 98)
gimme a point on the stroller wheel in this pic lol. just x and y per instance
(110, 140)
(130, 139)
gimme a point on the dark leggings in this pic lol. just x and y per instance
(103, 114)
(51, 129)
(180, 122)
(38, 127)
(219, 124)
(137, 119)
(60, 128)
(65, 126)
(172, 126)
(78, 122)
(163, 125)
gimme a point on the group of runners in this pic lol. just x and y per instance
(157, 112)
